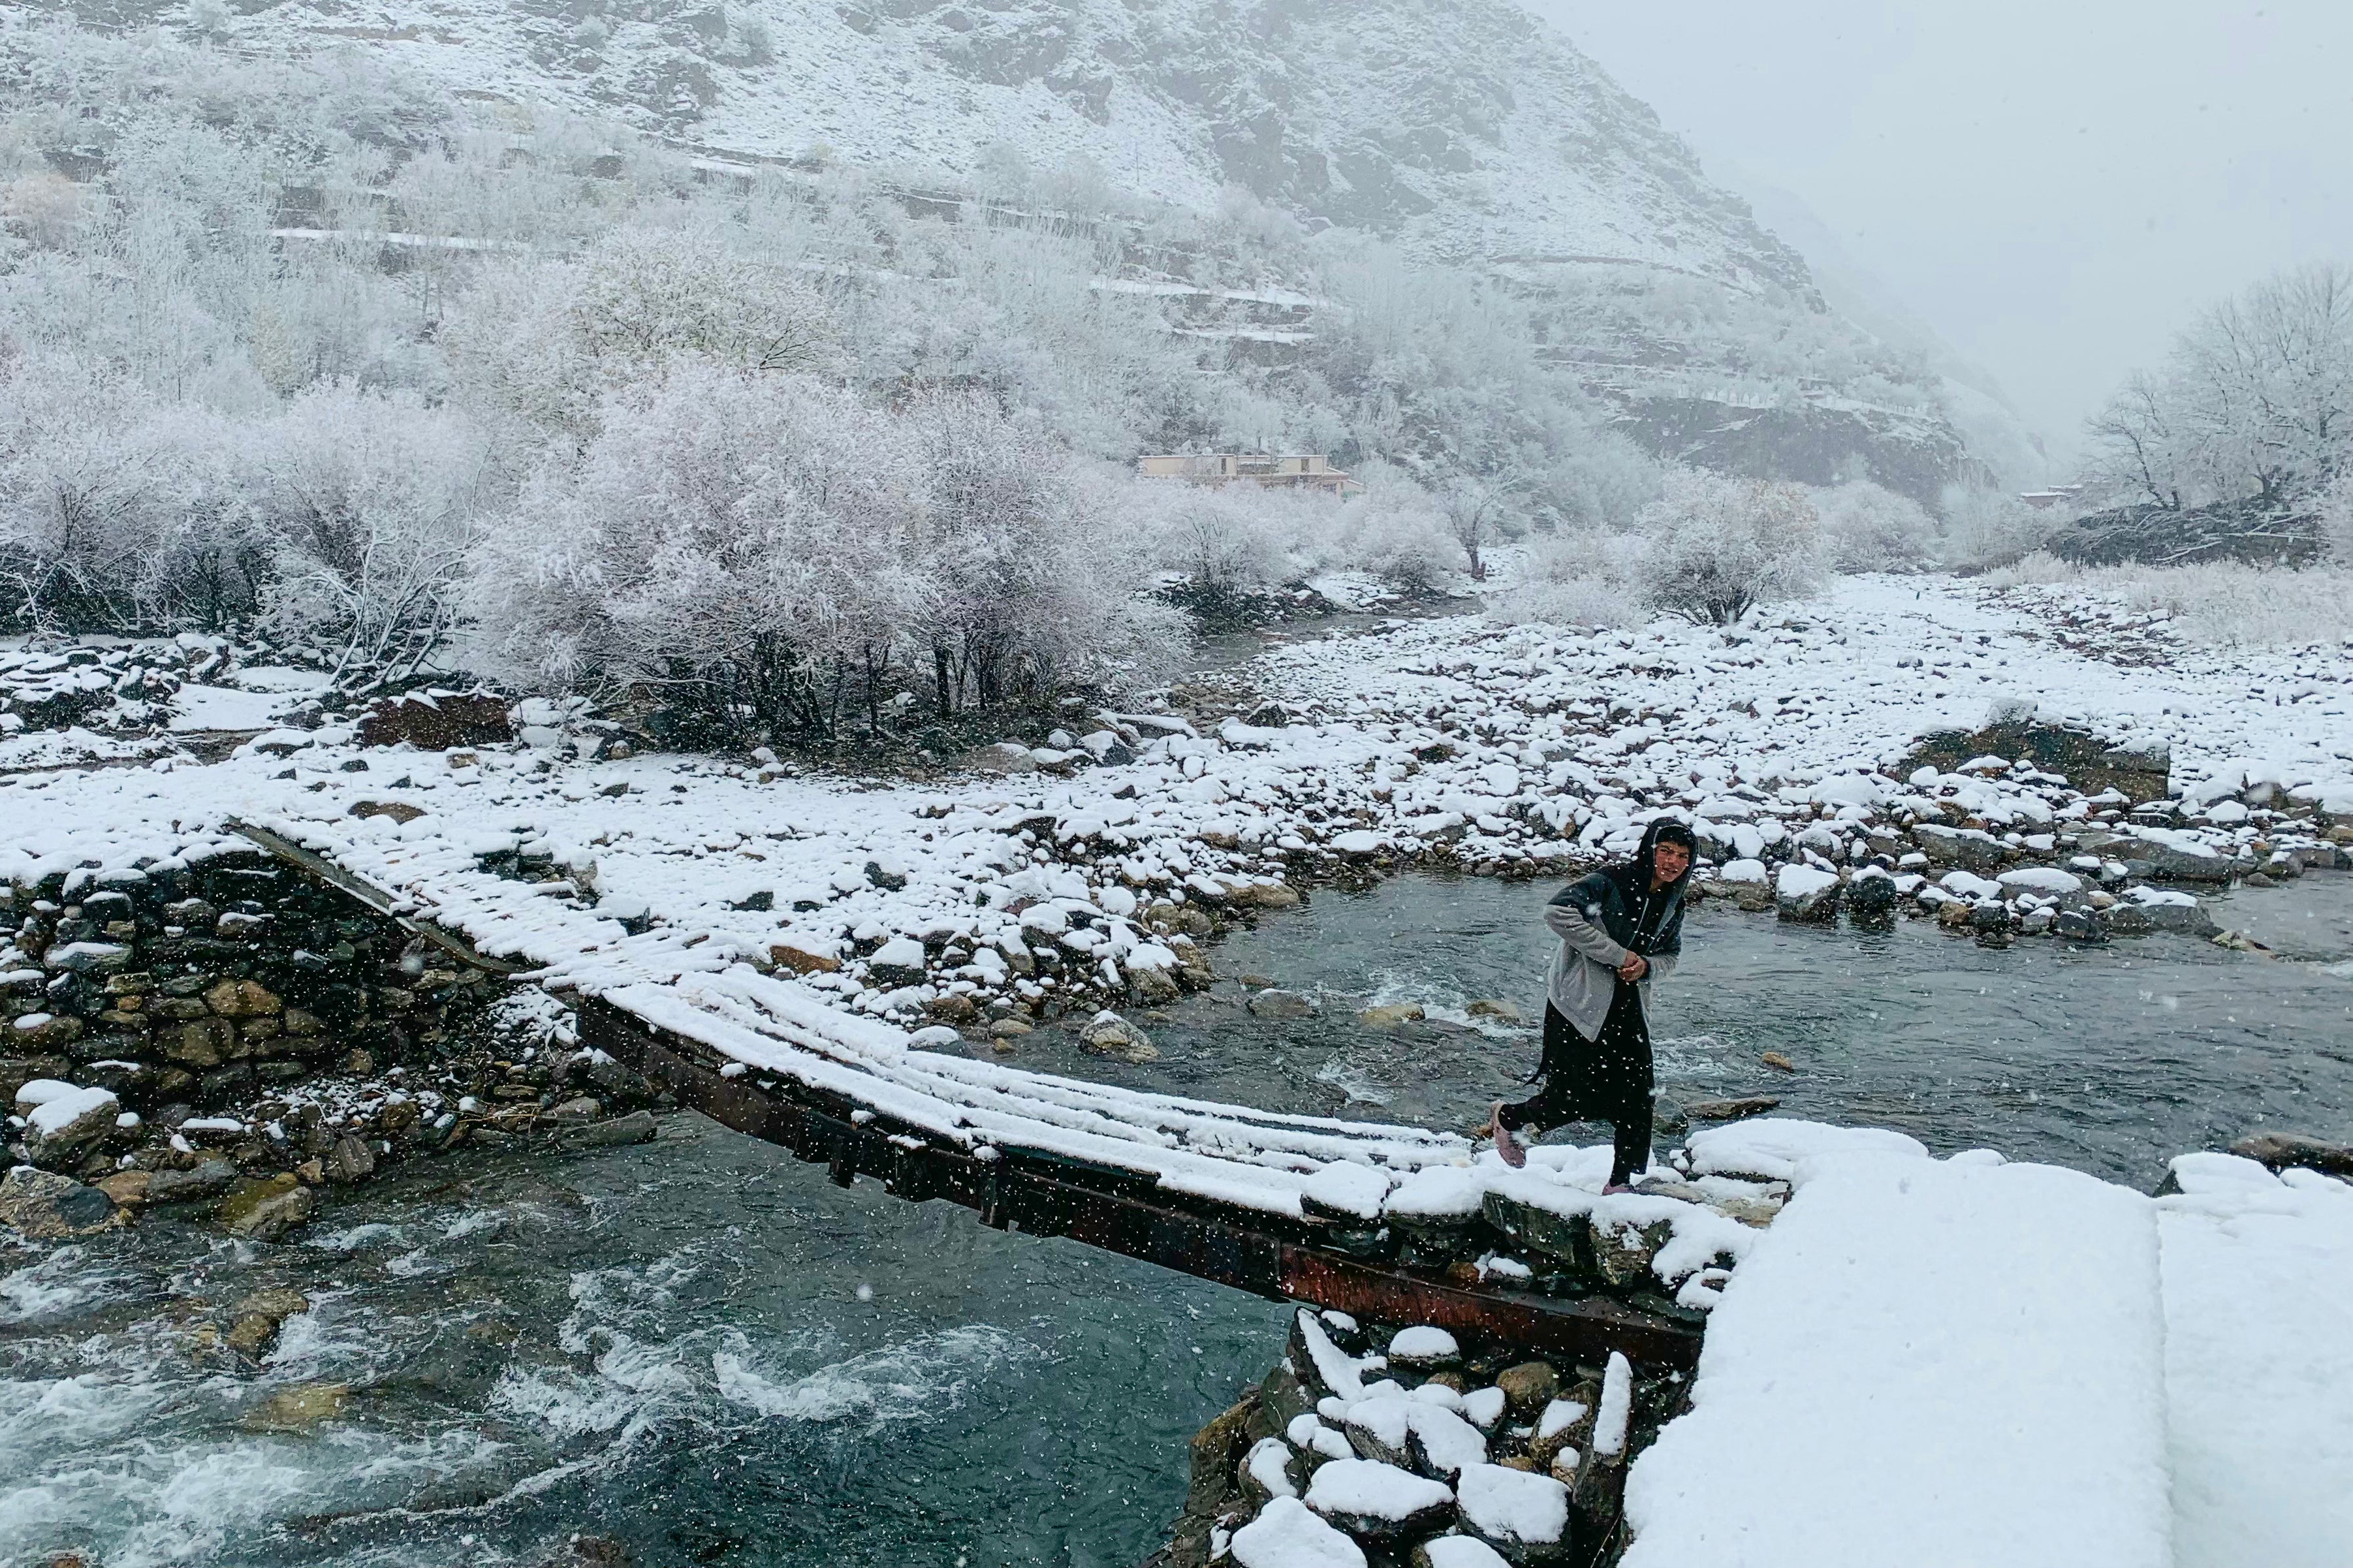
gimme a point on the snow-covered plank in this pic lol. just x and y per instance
(1929, 1362)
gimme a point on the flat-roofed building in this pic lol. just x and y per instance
(1309, 470)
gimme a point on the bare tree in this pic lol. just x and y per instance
(1476, 509)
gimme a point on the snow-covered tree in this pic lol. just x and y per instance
(547, 339)
(1718, 545)
(775, 553)
(2254, 402)
(1988, 527)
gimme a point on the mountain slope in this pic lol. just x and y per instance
(1464, 132)
(1471, 135)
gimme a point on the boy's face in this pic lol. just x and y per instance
(1669, 861)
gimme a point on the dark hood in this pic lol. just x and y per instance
(1633, 878)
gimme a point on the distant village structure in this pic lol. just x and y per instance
(2043, 501)
(1311, 470)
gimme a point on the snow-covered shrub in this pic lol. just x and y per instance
(1990, 528)
(775, 553)
(372, 503)
(1392, 531)
(117, 511)
(1868, 529)
(1582, 579)
(1717, 545)
(1229, 542)
(546, 339)
(2337, 519)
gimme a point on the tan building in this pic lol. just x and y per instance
(1305, 471)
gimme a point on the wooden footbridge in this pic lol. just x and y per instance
(1210, 1190)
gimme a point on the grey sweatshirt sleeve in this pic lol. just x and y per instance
(1566, 921)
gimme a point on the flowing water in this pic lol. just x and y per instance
(703, 1352)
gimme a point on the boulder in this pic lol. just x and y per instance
(210, 1178)
(267, 1208)
(638, 1126)
(805, 954)
(954, 1008)
(1565, 1238)
(2171, 863)
(299, 1409)
(436, 720)
(1280, 1005)
(43, 1206)
(1391, 1013)
(2286, 1151)
(1870, 897)
(1108, 1034)
(349, 1160)
(243, 999)
(64, 1128)
(1807, 893)
(1969, 849)
(1424, 1349)
(1522, 1515)
(1729, 1110)
(1379, 1502)
(1623, 1251)
(1528, 1388)
(898, 962)
(1005, 757)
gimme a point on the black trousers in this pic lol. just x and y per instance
(1605, 1078)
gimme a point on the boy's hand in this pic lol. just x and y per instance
(1634, 968)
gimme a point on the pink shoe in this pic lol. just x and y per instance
(1507, 1148)
(1615, 1188)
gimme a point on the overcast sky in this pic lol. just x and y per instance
(2056, 185)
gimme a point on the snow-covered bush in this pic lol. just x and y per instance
(371, 504)
(1235, 540)
(1868, 529)
(119, 512)
(1583, 579)
(1393, 531)
(1229, 542)
(2337, 519)
(777, 553)
(1717, 545)
(546, 339)
(1990, 528)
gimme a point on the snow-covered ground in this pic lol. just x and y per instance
(1970, 1361)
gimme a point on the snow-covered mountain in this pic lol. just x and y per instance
(1470, 134)
(1464, 131)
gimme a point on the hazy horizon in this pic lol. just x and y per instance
(2056, 191)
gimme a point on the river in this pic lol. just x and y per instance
(703, 1352)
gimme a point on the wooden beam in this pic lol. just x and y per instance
(325, 870)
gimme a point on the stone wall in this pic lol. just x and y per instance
(180, 988)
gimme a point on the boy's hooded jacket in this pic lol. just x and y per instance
(1596, 918)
